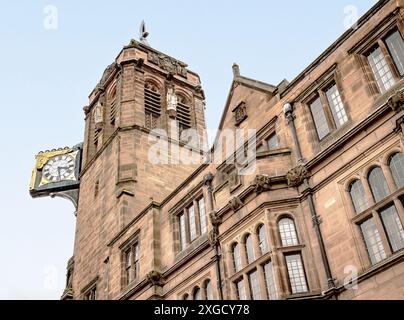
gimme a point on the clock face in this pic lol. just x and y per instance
(59, 168)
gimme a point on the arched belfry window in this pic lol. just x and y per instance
(397, 169)
(197, 294)
(152, 105)
(287, 231)
(183, 113)
(378, 184)
(112, 104)
(358, 196)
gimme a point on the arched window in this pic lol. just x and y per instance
(112, 104)
(378, 184)
(262, 237)
(185, 297)
(183, 114)
(236, 257)
(397, 169)
(249, 248)
(197, 293)
(358, 196)
(208, 290)
(152, 105)
(287, 231)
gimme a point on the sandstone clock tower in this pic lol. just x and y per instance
(144, 95)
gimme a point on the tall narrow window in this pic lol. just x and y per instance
(296, 273)
(378, 184)
(197, 294)
(192, 223)
(395, 45)
(393, 227)
(152, 105)
(249, 248)
(358, 196)
(287, 231)
(272, 142)
(270, 281)
(336, 105)
(208, 290)
(91, 294)
(112, 104)
(262, 237)
(236, 257)
(381, 70)
(254, 285)
(128, 265)
(319, 118)
(131, 260)
(397, 169)
(373, 241)
(183, 231)
(183, 115)
(202, 215)
(241, 294)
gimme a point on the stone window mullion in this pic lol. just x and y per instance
(247, 287)
(327, 110)
(400, 209)
(368, 191)
(389, 177)
(261, 280)
(388, 58)
(382, 233)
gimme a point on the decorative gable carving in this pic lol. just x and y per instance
(240, 113)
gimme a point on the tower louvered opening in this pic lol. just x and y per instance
(183, 114)
(112, 103)
(152, 106)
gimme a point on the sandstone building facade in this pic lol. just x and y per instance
(324, 205)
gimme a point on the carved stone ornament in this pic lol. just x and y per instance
(155, 278)
(108, 71)
(240, 113)
(208, 178)
(213, 238)
(99, 115)
(261, 183)
(296, 176)
(214, 218)
(168, 64)
(396, 101)
(172, 102)
(235, 203)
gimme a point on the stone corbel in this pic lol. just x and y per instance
(215, 219)
(261, 183)
(155, 278)
(235, 203)
(296, 176)
(396, 101)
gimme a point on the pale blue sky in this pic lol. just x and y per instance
(46, 76)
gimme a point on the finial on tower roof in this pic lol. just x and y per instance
(143, 33)
(236, 70)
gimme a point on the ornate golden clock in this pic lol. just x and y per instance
(56, 172)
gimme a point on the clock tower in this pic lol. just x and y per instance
(144, 98)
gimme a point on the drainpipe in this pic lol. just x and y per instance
(214, 234)
(288, 111)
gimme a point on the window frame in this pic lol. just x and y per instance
(130, 247)
(184, 211)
